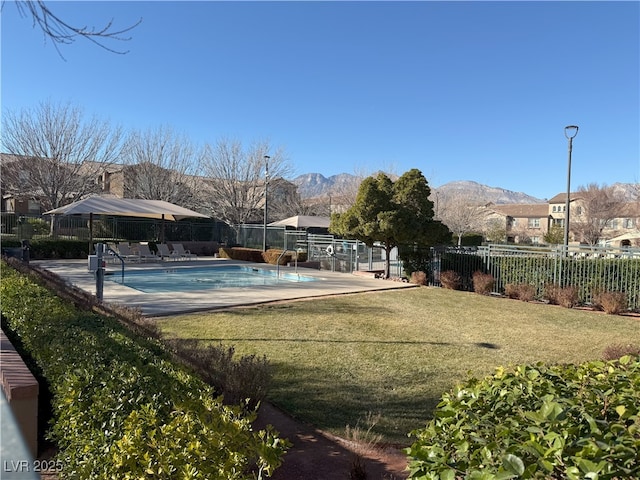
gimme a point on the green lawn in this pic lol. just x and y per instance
(394, 353)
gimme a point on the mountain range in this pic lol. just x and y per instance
(313, 185)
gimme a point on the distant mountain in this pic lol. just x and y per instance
(474, 192)
(311, 185)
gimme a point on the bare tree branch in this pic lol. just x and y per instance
(62, 33)
(596, 208)
(460, 216)
(236, 179)
(60, 155)
(159, 166)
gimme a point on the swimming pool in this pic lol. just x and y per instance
(211, 278)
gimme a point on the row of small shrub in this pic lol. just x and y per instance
(590, 275)
(538, 422)
(612, 303)
(121, 407)
(483, 283)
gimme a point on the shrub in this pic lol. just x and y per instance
(536, 422)
(483, 283)
(522, 291)
(564, 296)
(241, 253)
(240, 380)
(272, 255)
(512, 291)
(612, 303)
(419, 278)
(451, 280)
(121, 408)
(613, 352)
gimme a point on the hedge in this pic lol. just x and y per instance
(258, 256)
(536, 421)
(121, 408)
(47, 248)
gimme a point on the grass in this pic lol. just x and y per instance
(337, 360)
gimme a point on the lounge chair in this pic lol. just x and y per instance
(109, 255)
(179, 249)
(164, 252)
(145, 254)
(125, 252)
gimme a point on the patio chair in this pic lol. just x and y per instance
(125, 252)
(108, 255)
(145, 254)
(180, 250)
(164, 252)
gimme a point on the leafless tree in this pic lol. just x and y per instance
(461, 217)
(58, 155)
(285, 201)
(635, 201)
(236, 179)
(62, 33)
(495, 230)
(595, 208)
(160, 166)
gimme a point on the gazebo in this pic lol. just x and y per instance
(125, 207)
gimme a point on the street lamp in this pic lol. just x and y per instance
(570, 131)
(266, 185)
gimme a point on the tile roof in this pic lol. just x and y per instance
(522, 210)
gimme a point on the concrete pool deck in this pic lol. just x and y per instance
(76, 273)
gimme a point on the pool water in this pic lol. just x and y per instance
(212, 278)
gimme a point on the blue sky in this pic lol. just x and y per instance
(476, 91)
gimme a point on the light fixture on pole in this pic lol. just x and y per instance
(266, 204)
(570, 131)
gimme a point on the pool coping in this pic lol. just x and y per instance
(76, 273)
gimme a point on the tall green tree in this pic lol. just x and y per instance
(392, 213)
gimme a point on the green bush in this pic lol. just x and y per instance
(121, 408)
(541, 422)
(47, 248)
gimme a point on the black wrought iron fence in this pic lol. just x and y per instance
(19, 227)
(589, 269)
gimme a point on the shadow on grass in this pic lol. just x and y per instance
(331, 403)
(491, 346)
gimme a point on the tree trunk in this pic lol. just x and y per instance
(387, 263)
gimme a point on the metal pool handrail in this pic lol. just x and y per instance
(280, 257)
(111, 250)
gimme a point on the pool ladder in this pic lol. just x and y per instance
(280, 257)
(114, 253)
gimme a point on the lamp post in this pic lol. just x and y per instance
(266, 204)
(570, 131)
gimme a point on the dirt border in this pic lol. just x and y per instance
(317, 455)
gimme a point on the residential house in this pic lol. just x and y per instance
(522, 223)
(620, 218)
